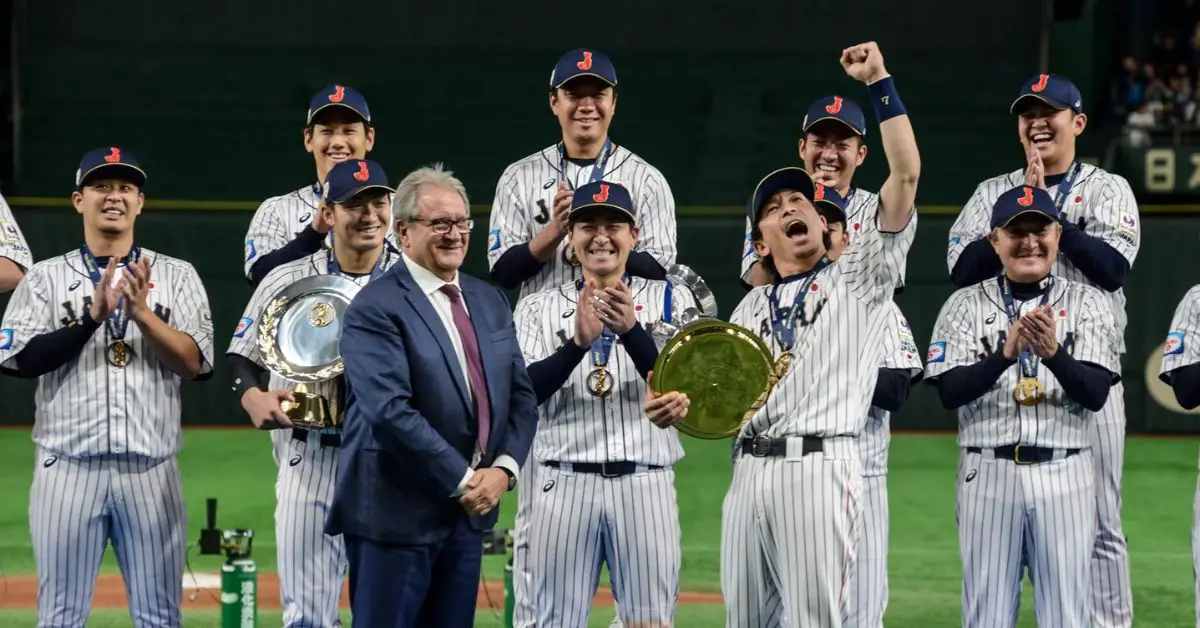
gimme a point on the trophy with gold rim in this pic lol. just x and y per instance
(726, 370)
(299, 335)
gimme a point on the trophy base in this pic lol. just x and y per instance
(310, 412)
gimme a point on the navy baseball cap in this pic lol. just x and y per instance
(349, 178)
(789, 178)
(582, 62)
(112, 161)
(601, 194)
(1022, 200)
(837, 108)
(829, 203)
(339, 96)
(1054, 90)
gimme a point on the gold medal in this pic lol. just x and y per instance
(118, 354)
(783, 364)
(1029, 392)
(599, 383)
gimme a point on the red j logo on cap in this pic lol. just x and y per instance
(114, 156)
(601, 196)
(1027, 200)
(586, 64)
(363, 174)
(1043, 79)
(338, 95)
(836, 106)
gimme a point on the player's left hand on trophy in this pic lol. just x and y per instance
(864, 62)
(136, 286)
(1037, 328)
(615, 307)
(666, 409)
(484, 490)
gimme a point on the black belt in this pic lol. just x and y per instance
(1022, 454)
(763, 447)
(606, 469)
(327, 439)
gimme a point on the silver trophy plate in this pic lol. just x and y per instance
(301, 328)
(678, 274)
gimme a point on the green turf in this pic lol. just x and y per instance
(1160, 476)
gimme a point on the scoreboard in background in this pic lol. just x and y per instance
(1163, 172)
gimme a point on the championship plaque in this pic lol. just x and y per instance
(725, 369)
(299, 335)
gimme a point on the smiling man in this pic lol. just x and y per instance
(291, 226)
(1101, 233)
(1027, 358)
(527, 244)
(357, 203)
(589, 355)
(110, 330)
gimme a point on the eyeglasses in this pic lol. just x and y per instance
(441, 226)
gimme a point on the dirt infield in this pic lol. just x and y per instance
(21, 593)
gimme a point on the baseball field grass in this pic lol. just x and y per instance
(235, 466)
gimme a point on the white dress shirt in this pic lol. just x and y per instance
(431, 285)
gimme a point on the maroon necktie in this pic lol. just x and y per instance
(466, 332)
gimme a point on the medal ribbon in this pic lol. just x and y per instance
(667, 301)
(1029, 365)
(335, 269)
(118, 320)
(597, 166)
(783, 328)
(1064, 186)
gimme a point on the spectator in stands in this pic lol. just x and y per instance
(1139, 125)
(1130, 89)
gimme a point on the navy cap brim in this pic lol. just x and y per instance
(1040, 212)
(359, 190)
(602, 79)
(313, 114)
(833, 119)
(790, 178)
(138, 175)
(592, 208)
(1027, 97)
(831, 212)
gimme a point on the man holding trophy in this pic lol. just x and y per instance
(291, 328)
(796, 459)
(607, 488)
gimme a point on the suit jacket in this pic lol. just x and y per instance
(409, 427)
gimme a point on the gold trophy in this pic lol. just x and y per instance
(726, 370)
(299, 335)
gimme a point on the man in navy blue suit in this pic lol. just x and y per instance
(439, 417)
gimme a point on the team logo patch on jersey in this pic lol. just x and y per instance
(6, 338)
(494, 240)
(8, 231)
(1174, 344)
(242, 326)
(937, 352)
(250, 251)
(955, 240)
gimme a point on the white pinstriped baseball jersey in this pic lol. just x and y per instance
(828, 389)
(861, 209)
(245, 336)
(899, 351)
(88, 407)
(574, 425)
(973, 323)
(12, 241)
(279, 219)
(524, 205)
(1102, 201)
(1183, 340)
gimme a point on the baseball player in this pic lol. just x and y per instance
(15, 257)
(832, 146)
(1100, 239)
(1181, 371)
(607, 488)
(109, 329)
(291, 227)
(357, 205)
(899, 368)
(1027, 358)
(527, 245)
